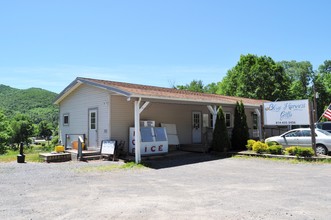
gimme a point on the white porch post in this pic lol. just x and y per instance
(259, 123)
(137, 111)
(213, 110)
(137, 131)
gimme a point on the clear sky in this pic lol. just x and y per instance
(47, 44)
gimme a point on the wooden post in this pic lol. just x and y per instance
(312, 127)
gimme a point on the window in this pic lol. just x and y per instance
(66, 119)
(205, 120)
(93, 121)
(306, 133)
(294, 134)
(228, 120)
(326, 126)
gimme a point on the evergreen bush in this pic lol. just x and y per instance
(240, 133)
(221, 142)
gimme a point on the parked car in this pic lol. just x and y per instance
(302, 137)
(324, 126)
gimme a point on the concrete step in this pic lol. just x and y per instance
(92, 157)
(86, 155)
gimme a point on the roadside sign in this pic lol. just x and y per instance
(283, 113)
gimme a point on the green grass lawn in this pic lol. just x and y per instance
(31, 154)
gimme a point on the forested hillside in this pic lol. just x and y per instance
(34, 102)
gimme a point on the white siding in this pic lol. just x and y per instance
(77, 105)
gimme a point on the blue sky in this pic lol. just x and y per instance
(47, 44)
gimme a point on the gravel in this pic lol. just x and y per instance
(186, 186)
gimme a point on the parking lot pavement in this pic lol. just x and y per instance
(188, 186)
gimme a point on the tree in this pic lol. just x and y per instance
(194, 86)
(22, 129)
(211, 88)
(221, 140)
(255, 77)
(322, 83)
(301, 75)
(240, 133)
(45, 130)
(4, 132)
(198, 86)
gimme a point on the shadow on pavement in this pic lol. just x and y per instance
(178, 158)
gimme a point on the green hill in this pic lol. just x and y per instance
(35, 102)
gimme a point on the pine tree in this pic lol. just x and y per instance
(236, 128)
(240, 133)
(221, 140)
(244, 126)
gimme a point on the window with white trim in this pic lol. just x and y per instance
(227, 119)
(65, 119)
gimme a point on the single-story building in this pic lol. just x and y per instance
(103, 110)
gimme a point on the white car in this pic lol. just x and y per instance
(302, 137)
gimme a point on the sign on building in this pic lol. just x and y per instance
(293, 112)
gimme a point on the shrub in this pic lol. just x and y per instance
(260, 147)
(240, 133)
(55, 140)
(250, 144)
(275, 149)
(3, 149)
(304, 152)
(300, 151)
(291, 150)
(271, 143)
(221, 141)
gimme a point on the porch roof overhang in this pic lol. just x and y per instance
(157, 94)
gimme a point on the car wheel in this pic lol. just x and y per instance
(320, 149)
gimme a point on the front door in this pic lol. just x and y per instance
(196, 127)
(93, 129)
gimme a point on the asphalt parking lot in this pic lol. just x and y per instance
(187, 186)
